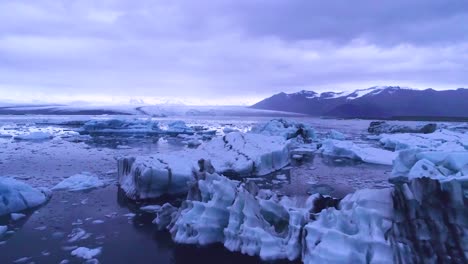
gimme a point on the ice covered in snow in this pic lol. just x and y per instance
(80, 182)
(38, 135)
(354, 233)
(16, 196)
(86, 253)
(441, 140)
(235, 154)
(348, 149)
(285, 128)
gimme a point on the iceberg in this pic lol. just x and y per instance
(285, 128)
(350, 150)
(235, 154)
(16, 196)
(34, 136)
(179, 127)
(80, 182)
(121, 126)
(86, 253)
(219, 210)
(382, 127)
(418, 163)
(442, 140)
(353, 233)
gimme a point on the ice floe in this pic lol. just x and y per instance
(122, 126)
(235, 154)
(285, 128)
(16, 196)
(38, 135)
(17, 216)
(80, 182)
(441, 140)
(86, 253)
(3, 230)
(348, 149)
(382, 127)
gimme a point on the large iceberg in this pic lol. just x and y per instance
(219, 210)
(350, 150)
(16, 196)
(235, 154)
(259, 223)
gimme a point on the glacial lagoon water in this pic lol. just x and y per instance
(114, 223)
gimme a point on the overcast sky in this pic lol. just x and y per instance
(226, 52)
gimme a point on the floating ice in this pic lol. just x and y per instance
(179, 127)
(16, 216)
(86, 253)
(78, 234)
(354, 233)
(234, 154)
(442, 140)
(348, 149)
(16, 196)
(121, 126)
(80, 182)
(333, 134)
(34, 136)
(381, 127)
(417, 163)
(285, 128)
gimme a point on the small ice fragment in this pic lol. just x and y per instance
(98, 222)
(41, 228)
(22, 260)
(130, 215)
(45, 253)
(65, 261)
(281, 177)
(151, 208)
(86, 253)
(78, 234)
(17, 216)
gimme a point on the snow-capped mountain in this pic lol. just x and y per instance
(373, 102)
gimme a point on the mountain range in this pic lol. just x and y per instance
(383, 102)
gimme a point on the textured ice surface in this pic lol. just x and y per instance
(348, 149)
(354, 233)
(16, 196)
(221, 210)
(234, 154)
(80, 182)
(179, 127)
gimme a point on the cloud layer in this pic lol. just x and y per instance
(227, 51)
